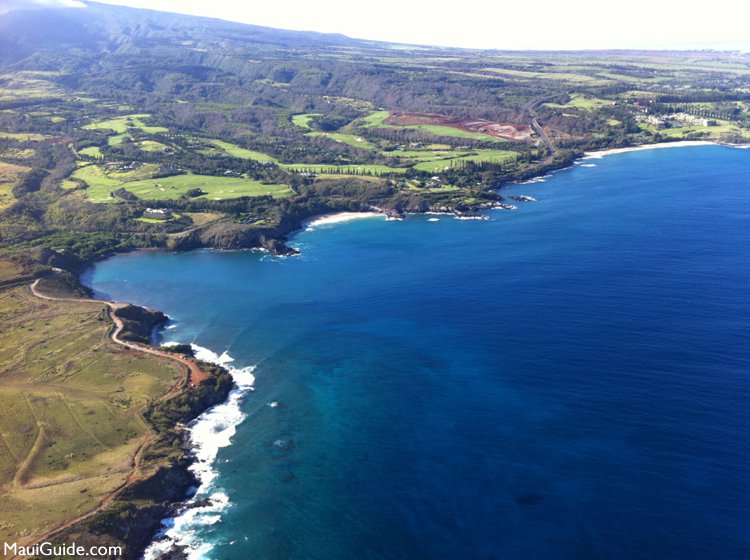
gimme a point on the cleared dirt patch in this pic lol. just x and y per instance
(508, 131)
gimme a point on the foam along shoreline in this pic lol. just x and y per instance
(211, 431)
(338, 217)
(680, 144)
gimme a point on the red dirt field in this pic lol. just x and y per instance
(508, 131)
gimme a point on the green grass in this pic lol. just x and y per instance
(117, 139)
(24, 136)
(101, 184)
(152, 146)
(711, 132)
(166, 188)
(303, 120)
(434, 165)
(69, 420)
(9, 176)
(582, 102)
(376, 119)
(349, 139)
(239, 152)
(125, 123)
(93, 151)
(425, 155)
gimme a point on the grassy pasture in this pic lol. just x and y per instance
(69, 420)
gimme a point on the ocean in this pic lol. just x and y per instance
(569, 380)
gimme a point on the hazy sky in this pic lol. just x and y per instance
(500, 24)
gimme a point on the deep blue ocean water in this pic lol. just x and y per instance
(570, 380)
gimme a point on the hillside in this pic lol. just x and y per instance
(124, 129)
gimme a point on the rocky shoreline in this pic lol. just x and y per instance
(170, 486)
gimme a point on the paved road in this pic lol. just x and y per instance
(529, 110)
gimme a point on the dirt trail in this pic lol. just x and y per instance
(194, 376)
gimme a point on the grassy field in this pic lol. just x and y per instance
(152, 146)
(437, 160)
(24, 136)
(125, 123)
(303, 120)
(582, 102)
(203, 218)
(376, 119)
(9, 175)
(70, 422)
(92, 151)
(723, 127)
(101, 185)
(239, 152)
(350, 139)
(117, 139)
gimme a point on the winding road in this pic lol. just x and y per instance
(194, 375)
(529, 110)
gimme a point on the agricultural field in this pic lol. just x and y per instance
(126, 123)
(70, 421)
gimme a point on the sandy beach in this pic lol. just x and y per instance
(681, 144)
(338, 217)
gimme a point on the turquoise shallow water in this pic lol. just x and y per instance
(567, 381)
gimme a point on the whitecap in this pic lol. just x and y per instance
(211, 431)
